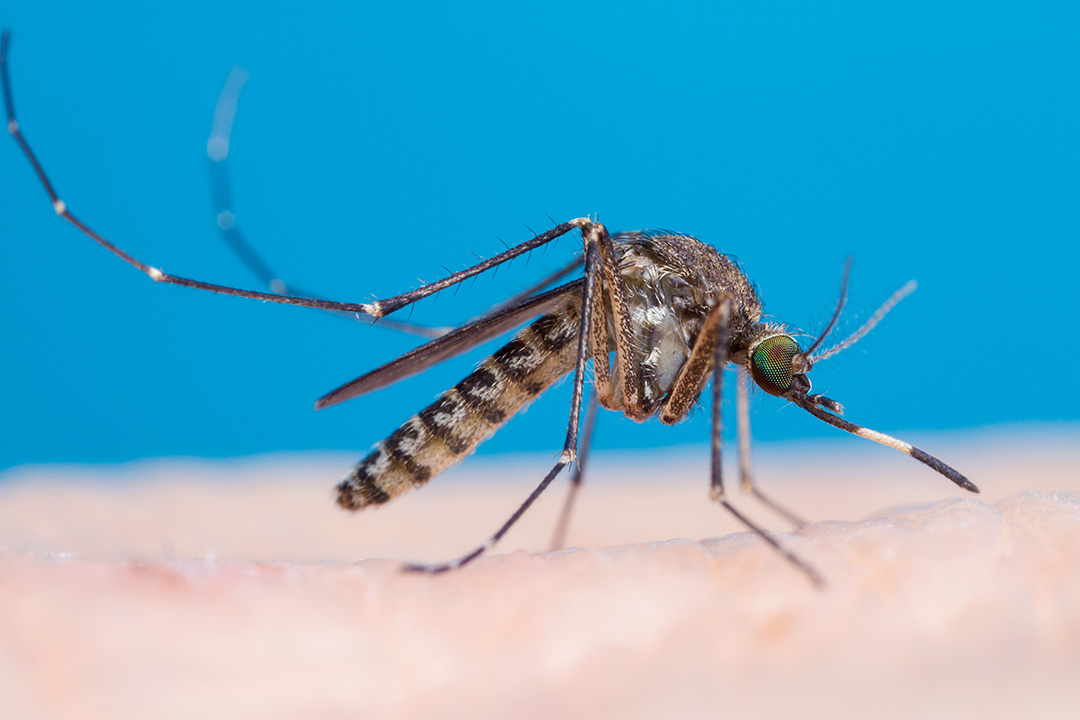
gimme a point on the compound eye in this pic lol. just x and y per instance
(771, 363)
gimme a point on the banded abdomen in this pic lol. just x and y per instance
(464, 416)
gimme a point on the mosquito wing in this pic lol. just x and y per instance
(450, 345)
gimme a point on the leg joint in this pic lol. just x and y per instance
(591, 231)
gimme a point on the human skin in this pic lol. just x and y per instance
(236, 589)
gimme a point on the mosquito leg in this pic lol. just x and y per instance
(608, 397)
(710, 355)
(558, 540)
(60, 207)
(382, 308)
(687, 388)
(569, 454)
(721, 323)
(377, 309)
(628, 377)
(742, 424)
(217, 152)
(716, 490)
(221, 195)
(746, 477)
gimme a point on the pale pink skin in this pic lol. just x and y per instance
(239, 590)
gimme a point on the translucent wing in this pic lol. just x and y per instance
(450, 345)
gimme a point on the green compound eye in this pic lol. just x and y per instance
(770, 365)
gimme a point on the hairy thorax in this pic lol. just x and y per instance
(673, 281)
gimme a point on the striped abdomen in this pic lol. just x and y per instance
(470, 412)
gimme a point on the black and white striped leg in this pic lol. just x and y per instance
(376, 309)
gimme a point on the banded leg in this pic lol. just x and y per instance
(377, 309)
(591, 232)
(746, 477)
(710, 354)
(558, 540)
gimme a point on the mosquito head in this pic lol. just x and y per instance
(777, 363)
(779, 366)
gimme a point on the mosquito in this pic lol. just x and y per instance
(657, 313)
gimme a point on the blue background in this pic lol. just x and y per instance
(931, 140)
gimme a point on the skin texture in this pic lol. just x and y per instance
(240, 583)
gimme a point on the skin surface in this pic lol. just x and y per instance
(237, 589)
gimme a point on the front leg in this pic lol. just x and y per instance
(607, 396)
(695, 372)
(570, 445)
(742, 414)
(710, 354)
(628, 393)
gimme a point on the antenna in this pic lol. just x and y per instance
(839, 307)
(908, 288)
